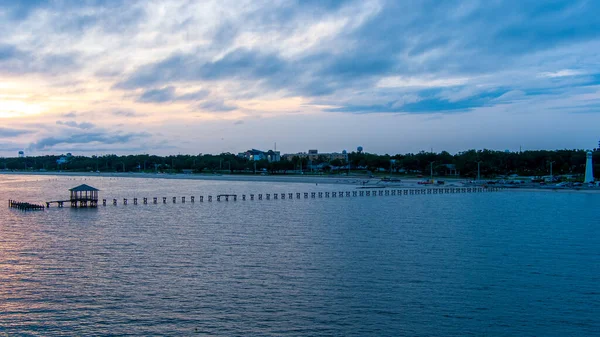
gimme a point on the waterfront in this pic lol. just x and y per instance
(497, 264)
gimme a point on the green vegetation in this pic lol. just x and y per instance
(492, 163)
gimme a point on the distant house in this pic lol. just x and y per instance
(255, 155)
(450, 170)
(64, 159)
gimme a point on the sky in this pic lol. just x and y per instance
(95, 77)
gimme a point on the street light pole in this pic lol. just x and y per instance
(431, 168)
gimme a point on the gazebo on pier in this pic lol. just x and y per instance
(84, 196)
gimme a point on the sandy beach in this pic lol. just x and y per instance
(359, 181)
(304, 179)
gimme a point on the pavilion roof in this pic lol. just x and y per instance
(84, 188)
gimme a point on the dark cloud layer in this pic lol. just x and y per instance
(14, 60)
(441, 39)
(10, 132)
(217, 105)
(96, 137)
(73, 124)
(168, 95)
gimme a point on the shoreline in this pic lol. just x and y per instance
(308, 179)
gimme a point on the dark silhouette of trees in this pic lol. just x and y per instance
(491, 163)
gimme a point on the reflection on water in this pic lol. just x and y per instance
(464, 264)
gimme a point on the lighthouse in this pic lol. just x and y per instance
(589, 169)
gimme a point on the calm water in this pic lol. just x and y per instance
(497, 264)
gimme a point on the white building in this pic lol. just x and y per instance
(589, 169)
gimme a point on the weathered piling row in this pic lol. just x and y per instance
(305, 195)
(25, 206)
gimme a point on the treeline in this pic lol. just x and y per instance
(491, 163)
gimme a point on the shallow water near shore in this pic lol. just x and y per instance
(498, 264)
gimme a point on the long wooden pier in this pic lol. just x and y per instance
(362, 192)
(377, 192)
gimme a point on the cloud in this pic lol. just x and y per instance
(238, 122)
(14, 60)
(10, 132)
(98, 137)
(71, 114)
(127, 113)
(72, 124)
(439, 45)
(168, 94)
(8, 52)
(158, 95)
(428, 102)
(357, 57)
(217, 105)
(19, 10)
(241, 64)
(561, 73)
(193, 96)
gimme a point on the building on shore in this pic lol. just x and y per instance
(314, 156)
(450, 170)
(589, 169)
(256, 155)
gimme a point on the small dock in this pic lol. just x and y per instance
(25, 206)
(59, 203)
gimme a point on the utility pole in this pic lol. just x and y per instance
(551, 176)
(478, 171)
(431, 168)
(254, 166)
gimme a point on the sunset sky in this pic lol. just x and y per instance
(168, 77)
